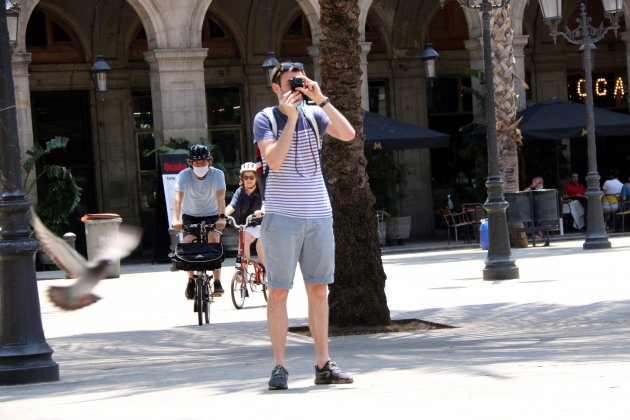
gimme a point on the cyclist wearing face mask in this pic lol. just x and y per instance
(200, 196)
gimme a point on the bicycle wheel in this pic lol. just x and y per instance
(264, 285)
(207, 298)
(238, 289)
(199, 299)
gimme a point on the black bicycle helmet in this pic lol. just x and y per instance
(198, 152)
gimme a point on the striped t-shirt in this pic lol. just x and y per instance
(298, 189)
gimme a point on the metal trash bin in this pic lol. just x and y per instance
(101, 229)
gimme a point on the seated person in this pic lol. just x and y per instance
(537, 184)
(574, 193)
(612, 187)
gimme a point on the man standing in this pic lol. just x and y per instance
(200, 195)
(298, 216)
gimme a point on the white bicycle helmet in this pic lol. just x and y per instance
(248, 167)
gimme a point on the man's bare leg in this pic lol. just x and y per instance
(278, 323)
(318, 320)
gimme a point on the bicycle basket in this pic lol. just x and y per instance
(198, 256)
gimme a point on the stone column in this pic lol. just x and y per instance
(19, 65)
(115, 149)
(475, 49)
(410, 99)
(365, 95)
(518, 44)
(316, 56)
(178, 93)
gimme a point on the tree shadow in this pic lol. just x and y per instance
(224, 359)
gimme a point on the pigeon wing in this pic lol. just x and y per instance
(66, 258)
(121, 245)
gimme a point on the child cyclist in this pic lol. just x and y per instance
(248, 200)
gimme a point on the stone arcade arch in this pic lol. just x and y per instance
(177, 69)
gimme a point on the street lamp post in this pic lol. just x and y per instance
(25, 357)
(586, 36)
(500, 264)
(270, 63)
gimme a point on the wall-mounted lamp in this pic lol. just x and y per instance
(269, 66)
(429, 55)
(100, 70)
(271, 61)
(13, 14)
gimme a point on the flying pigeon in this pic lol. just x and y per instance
(89, 273)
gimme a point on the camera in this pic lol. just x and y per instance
(296, 82)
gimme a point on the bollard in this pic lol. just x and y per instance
(71, 240)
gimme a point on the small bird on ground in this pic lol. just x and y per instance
(89, 273)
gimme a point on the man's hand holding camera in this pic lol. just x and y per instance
(288, 103)
(308, 88)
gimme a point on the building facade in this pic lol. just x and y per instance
(191, 69)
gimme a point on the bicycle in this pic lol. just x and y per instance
(248, 271)
(199, 257)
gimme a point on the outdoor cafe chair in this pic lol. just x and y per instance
(455, 221)
(474, 213)
(623, 211)
(610, 206)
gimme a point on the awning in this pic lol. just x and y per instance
(383, 133)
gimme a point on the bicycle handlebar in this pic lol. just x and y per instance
(231, 221)
(209, 227)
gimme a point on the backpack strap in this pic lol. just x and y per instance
(308, 113)
(272, 119)
(274, 129)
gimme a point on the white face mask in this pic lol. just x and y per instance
(201, 171)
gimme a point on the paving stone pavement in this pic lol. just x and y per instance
(550, 345)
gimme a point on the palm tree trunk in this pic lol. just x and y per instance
(508, 135)
(358, 295)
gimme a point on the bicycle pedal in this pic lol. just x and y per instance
(217, 294)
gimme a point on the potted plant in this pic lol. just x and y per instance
(387, 181)
(63, 194)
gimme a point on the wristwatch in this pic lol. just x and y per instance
(221, 216)
(325, 102)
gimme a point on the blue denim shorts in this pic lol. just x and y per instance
(289, 240)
